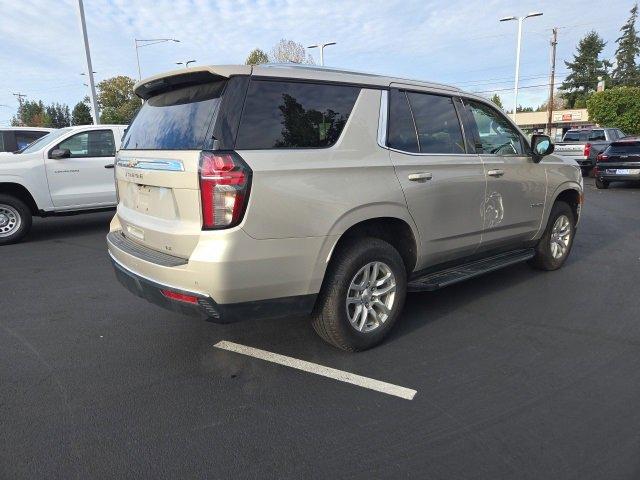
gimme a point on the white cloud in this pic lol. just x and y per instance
(454, 41)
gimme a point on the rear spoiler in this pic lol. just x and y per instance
(186, 78)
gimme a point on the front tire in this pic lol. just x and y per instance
(555, 245)
(15, 219)
(362, 295)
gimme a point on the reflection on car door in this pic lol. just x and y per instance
(82, 180)
(443, 181)
(516, 185)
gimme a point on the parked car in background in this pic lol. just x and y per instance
(13, 139)
(620, 162)
(584, 145)
(69, 170)
(264, 191)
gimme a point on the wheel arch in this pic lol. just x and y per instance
(571, 194)
(20, 191)
(393, 230)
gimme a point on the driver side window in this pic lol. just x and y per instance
(496, 135)
(94, 143)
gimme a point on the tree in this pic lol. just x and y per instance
(81, 114)
(116, 99)
(626, 71)
(585, 69)
(497, 100)
(617, 107)
(256, 57)
(558, 104)
(31, 113)
(288, 51)
(58, 115)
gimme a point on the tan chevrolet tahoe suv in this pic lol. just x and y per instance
(276, 190)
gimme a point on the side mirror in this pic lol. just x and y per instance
(541, 146)
(59, 153)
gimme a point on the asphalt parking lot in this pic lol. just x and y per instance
(519, 374)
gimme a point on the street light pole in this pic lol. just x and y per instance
(92, 85)
(321, 47)
(139, 43)
(515, 88)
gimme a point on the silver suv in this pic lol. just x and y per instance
(277, 190)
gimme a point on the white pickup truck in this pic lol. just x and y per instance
(70, 170)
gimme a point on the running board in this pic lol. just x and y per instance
(449, 276)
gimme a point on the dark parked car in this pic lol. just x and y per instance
(620, 162)
(584, 145)
(13, 139)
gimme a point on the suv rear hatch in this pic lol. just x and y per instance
(157, 168)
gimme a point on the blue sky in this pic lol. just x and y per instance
(454, 41)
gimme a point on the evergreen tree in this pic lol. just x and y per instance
(81, 114)
(627, 71)
(497, 100)
(585, 69)
(58, 114)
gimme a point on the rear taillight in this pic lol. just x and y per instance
(225, 180)
(602, 157)
(587, 149)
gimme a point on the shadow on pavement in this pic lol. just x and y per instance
(56, 228)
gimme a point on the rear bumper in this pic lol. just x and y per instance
(206, 307)
(604, 174)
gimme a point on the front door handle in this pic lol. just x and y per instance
(111, 165)
(495, 173)
(419, 177)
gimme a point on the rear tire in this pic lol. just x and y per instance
(555, 245)
(15, 219)
(601, 184)
(355, 312)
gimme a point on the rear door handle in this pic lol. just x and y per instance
(419, 177)
(111, 165)
(495, 173)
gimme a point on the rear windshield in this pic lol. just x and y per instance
(575, 137)
(631, 148)
(597, 135)
(175, 120)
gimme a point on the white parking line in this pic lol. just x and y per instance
(370, 383)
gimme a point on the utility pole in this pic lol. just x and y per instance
(554, 42)
(20, 97)
(92, 85)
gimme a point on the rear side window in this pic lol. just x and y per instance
(402, 130)
(175, 120)
(436, 123)
(596, 135)
(294, 115)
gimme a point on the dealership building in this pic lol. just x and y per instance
(561, 121)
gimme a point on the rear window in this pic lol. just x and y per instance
(294, 114)
(597, 135)
(175, 120)
(575, 137)
(630, 148)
